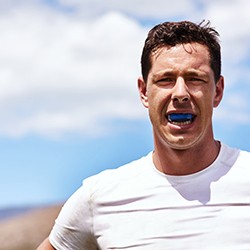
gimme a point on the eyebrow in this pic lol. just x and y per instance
(170, 72)
(163, 73)
(196, 72)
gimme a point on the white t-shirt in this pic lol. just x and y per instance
(137, 207)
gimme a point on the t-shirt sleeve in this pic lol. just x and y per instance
(73, 228)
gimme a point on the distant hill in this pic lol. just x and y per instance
(6, 213)
(27, 230)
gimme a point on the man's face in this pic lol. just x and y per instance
(180, 94)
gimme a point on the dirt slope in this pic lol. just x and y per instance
(27, 231)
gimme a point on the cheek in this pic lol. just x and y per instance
(206, 107)
(158, 100)
(205, 98)
(157, 109)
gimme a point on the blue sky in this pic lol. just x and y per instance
(69, 106)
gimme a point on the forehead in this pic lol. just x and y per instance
(193, 55)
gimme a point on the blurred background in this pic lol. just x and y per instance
(69, 106)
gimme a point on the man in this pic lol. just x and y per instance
(192, 191)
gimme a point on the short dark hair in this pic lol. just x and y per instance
(173, 33)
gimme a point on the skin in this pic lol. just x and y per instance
(46, 245)
(182, 81)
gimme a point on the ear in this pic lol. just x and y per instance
(142, 87)
(219, 88)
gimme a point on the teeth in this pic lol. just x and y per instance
(181, 123)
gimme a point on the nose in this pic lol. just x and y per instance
(180, 91)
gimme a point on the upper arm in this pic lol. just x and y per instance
(45, 245)
(73, 228)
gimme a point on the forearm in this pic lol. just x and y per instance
(45, 245)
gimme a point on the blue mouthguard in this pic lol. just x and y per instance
(180, 117)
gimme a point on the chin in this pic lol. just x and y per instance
(182, 144)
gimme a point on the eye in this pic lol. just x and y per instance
(165, 81)
(195, 80)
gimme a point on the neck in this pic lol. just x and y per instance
(183, 162)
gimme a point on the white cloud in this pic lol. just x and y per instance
(158, 9)
(232, 19)
(72, 72)
(59, 74)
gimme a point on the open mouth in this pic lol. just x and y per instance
(180, 118)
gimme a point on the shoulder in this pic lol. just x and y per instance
(244, 158)
(238, 159)
(111, 178)
(240, 154)
(232, 155)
